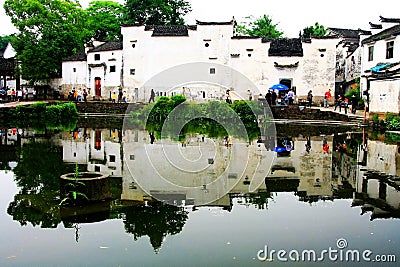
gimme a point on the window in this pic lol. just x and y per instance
(133, 45)
(112, 158)
(206, 44)
(389, 49)
(74, 69)
(370, 53)
(212, 70)
(112, 68)
(132, 71)
(96, 57)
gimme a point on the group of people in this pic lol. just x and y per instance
(343, 101)
(120, 98)
(12, 95)
(78, 95)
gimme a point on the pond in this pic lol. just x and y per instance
(314, 195)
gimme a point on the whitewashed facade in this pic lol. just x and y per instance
(201, 61)
(380, 77)
(150, 53)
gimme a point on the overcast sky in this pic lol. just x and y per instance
(291, 15)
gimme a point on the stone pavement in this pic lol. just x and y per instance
(17, 103)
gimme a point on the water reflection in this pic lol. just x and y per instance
(314, 167)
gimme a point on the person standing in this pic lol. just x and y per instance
(273, 97)
(85, 94)
(327, 96)
(113, 97)
(120, 94)
(268, 97)
(291, 97)
(345, 105)
(34, 92)
(152, 137)
(9, 94)
(250, 94)
(338, 103)
(309, 98)
(152, 96)
(354, 102)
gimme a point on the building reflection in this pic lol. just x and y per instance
(312, 167)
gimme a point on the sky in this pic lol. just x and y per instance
(290, 15)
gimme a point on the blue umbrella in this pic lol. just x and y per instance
(279, 149)
(279, 87)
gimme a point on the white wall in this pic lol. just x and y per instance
(153, 55)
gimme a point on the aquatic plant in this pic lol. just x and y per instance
(74, 195)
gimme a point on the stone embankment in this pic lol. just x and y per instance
(103, 108)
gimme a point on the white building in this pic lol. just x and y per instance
(202, 61)
(380, 79)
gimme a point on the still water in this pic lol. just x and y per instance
(324, 188)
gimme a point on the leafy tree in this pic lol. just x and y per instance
(156, 12)
(4, 41)
(314, 31)
(262, 27)
(104, 20)
(49, 31)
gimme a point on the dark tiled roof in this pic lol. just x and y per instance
(108, 46)
(389, 20)
(347, 33)
(375, 26)
(232, 22)
(286, 48)
(173, 30)
(392, 31)
(80, 56)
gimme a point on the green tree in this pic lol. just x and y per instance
(156, 12)
(49, 30)
(104, 20)
(314, 31)
(4, 41)
(262, 27)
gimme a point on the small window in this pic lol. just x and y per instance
(96, 57)
(212, 70)
(74, 69)
(133, 45)
(112, 68)
(112, 158)
(249, 55)
(132, 71)
(97, 168)
(206, 44)
(389, 49)
(370, 53)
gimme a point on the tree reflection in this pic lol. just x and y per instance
(37, 174)
(156, 220)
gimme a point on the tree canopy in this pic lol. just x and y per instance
(104, 20)
(262, 27)
(4, 41)
(156, 12)
(316, 30)
(49, 31)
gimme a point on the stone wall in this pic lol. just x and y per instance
(295, 113)
(106, 107)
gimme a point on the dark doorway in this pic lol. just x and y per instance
(286, 82)
(97, 86)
